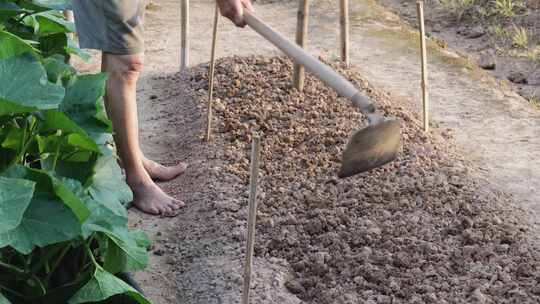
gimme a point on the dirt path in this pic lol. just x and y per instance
(192, 259)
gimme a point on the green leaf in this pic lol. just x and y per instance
(53, 44)
(56, 120)
(125, 252)
(76, 205)
(9, 9)
(26, 72)
(104, 217)
(57, 68)
(3, 300)
(58, 5)
(15, 196)
(107, 184)
(73, 49)
(11, 46)
(13, 139)
(83, 142)
(103, 286)
(46, 221)
(141, 238)
(81, 103)
(51, 22)
(48, 185)
(8, 108)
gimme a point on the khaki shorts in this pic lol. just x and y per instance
(112, 26)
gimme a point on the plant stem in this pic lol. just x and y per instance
(89, 251)
(13, 292)
(13, 269)
(23, 141)
(56, 154)
(22, 152)
(57, 262)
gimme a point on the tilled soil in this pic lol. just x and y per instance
(422, 229)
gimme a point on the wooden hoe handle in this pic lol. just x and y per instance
(300, 56)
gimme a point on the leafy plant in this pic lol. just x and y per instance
(458, 8)
(520, 37)
(63, 233)
(507, 8)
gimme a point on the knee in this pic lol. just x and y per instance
(124, 67)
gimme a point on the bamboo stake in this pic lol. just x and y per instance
(253, 179)
(301, 38)
(211, 76)
(344, 23)
(69, 17)
(184, 55)
(425, 95)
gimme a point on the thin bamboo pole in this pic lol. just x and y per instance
(344, 24)
(211, 76)
(184, 55)
(425, 95)
(253, 180)
(69, 17)
(301, 40)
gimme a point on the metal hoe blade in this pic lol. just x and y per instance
(370, 148)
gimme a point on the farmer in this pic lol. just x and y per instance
(115, 27)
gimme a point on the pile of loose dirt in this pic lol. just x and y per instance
(419, 230)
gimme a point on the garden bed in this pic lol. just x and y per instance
(422, 229)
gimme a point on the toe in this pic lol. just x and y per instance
(179, 204)
(171, 213)
(167, 209)
(182, 166)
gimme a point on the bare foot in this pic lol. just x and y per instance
(162, 173)
(149, 198)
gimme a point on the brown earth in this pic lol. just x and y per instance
(420, 230)
(197, 257)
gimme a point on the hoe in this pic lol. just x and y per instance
(370, 147)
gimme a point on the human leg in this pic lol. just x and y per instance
(120, 101)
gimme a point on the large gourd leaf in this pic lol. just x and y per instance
(73, 48)
(107, 185)
(81, 104)
(104, 217)
(11, 46)
(57, 68)
(47, 184)
(13, 139)
(3, 300)
(52, 22)
(103, 286)
(126, 252)
(53, 44)
(15, 196)
(26, 72)
(71, 200)
(56, 120)
(9, 9)
(46, 221)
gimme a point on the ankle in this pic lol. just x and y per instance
(139, 181)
